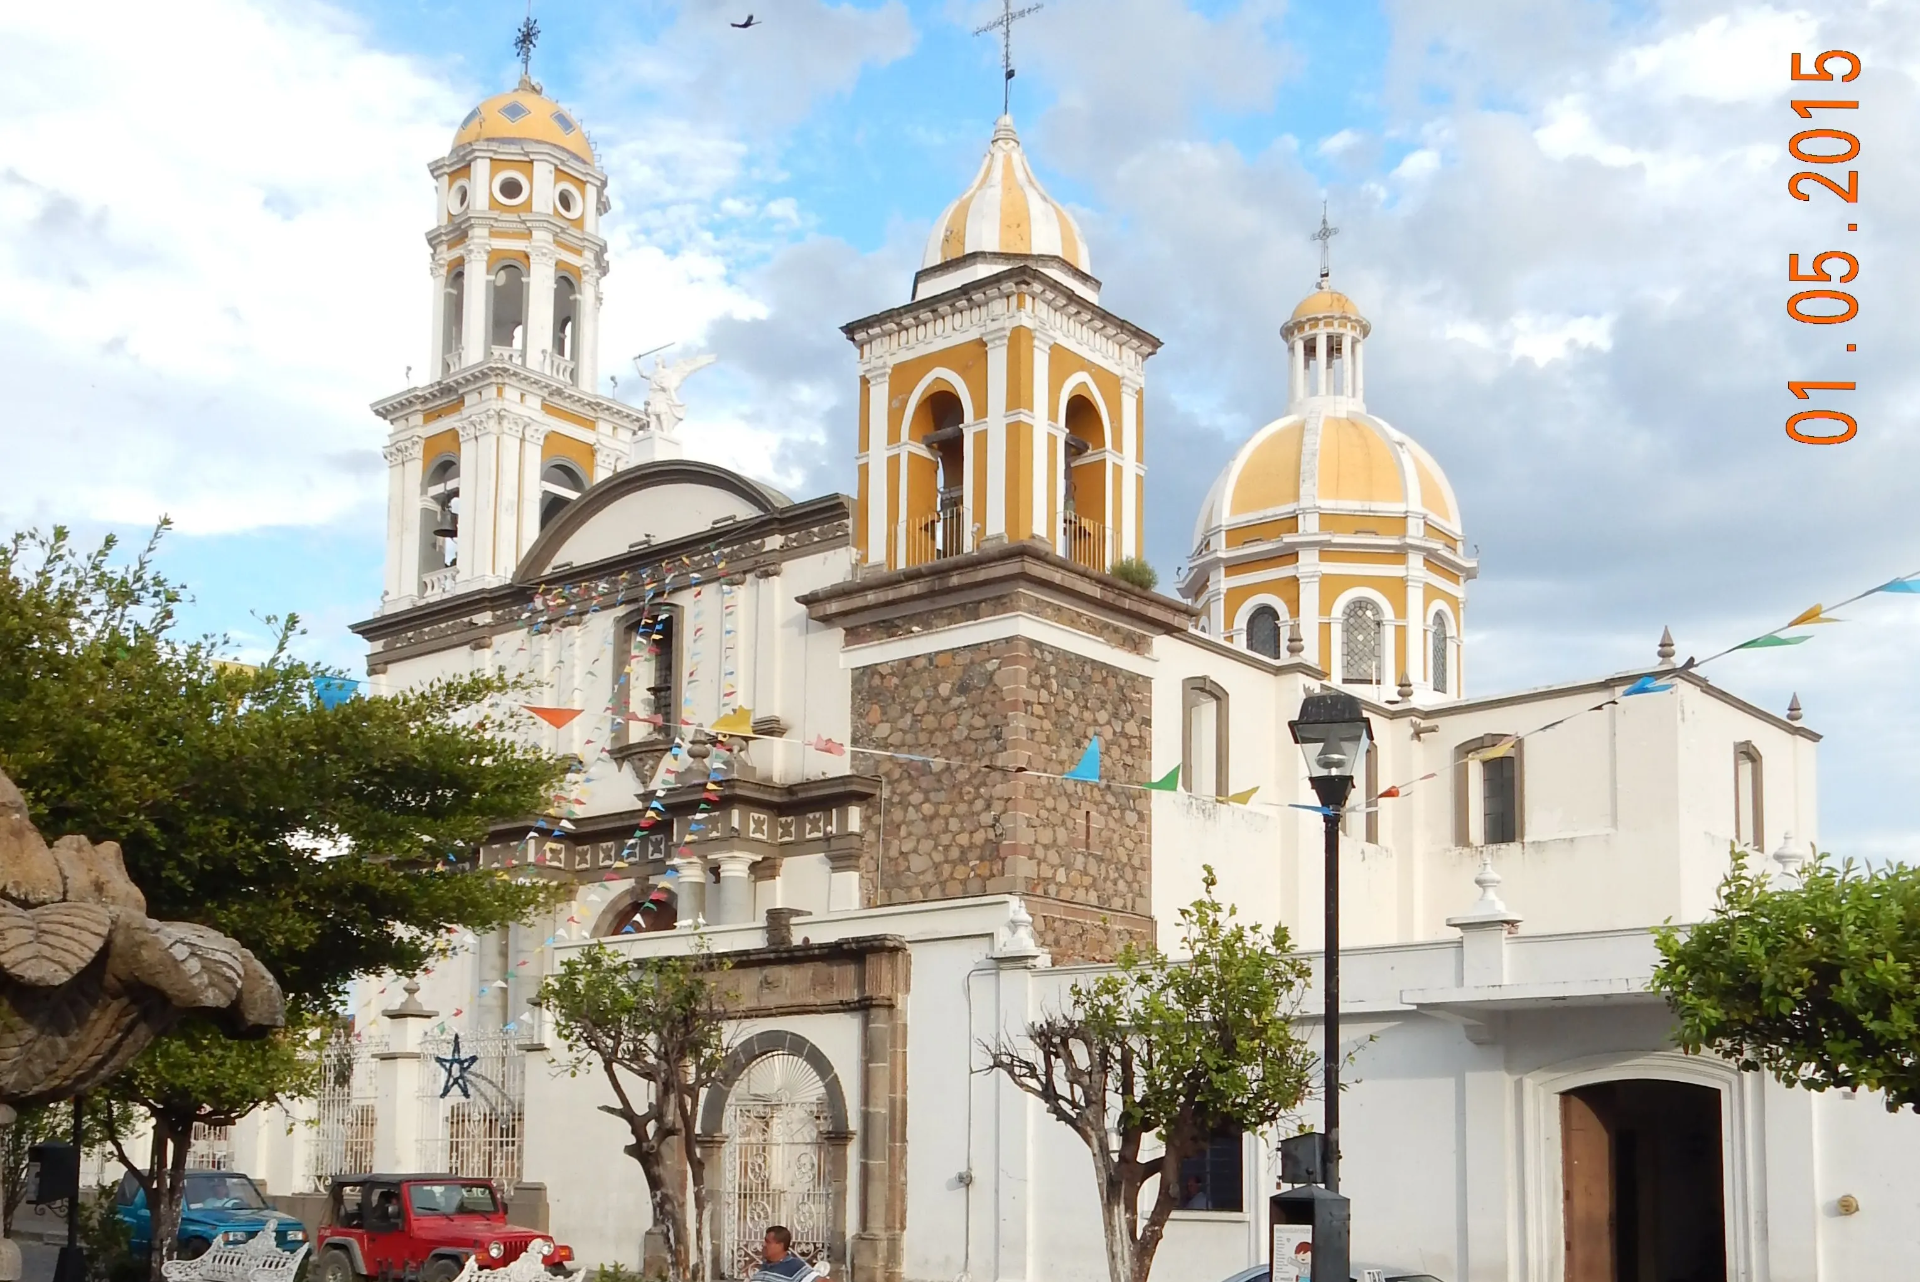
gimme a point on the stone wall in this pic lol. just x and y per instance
(1080, 852)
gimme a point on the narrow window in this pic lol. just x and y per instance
(1500, 803)
(1212, 1180)
(560, 484)
(454, 319)
(652, 686)
(1203, 759)
(566, 299)
(1746, 797)
(1263, 631)
(440, 516)
(1360, 642)
(1439, 654)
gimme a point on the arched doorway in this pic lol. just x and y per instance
(776, 1166)
(1641, 1182)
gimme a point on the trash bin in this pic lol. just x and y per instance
(1307, 1236)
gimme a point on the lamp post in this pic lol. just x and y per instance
(1334, 736)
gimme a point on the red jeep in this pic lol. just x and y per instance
(421, 1228)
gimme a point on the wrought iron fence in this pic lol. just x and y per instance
(479, 1130)
(774, 1167)
(344, 1107)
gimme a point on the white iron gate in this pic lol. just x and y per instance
(345, 1107)
(774, 1166)
(473, 1106)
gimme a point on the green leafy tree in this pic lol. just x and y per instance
(198, 1076)
(330, 841)
(1817, 983)
(655, 1027)
(1168, 1052)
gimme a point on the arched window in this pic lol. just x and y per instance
(651, 690)
(1263, 631)
(454, 300)
(1084, 487)
(566, 301)
(1203, 739)
(440, 515)
(937, 424)
(506, 331)
(560, 484)
(1439, 654)
(1360, 642)
(658, 911)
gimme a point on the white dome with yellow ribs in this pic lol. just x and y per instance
(1005, 211)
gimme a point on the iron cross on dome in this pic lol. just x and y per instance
(1004, 25)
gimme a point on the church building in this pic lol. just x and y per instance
(916, 760)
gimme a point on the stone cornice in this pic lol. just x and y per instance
(517, 149)
(491, 371)
(993, 572)
(1609, 685)
(484, 223)
(1025, 276)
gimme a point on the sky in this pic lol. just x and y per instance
(1567, 220)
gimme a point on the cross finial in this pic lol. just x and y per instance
(1004, 25)
(524, 40)
(1325, 235)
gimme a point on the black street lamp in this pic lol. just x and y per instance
(1334, 736)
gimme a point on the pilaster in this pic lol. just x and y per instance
(403, 518)
(396, 1127)
(473, 329)
(879, 434)
(541, 258)
(478, 466)
(586, 366)
(1049, 478)
(997, 444)
(1128, 541)
(533, 437)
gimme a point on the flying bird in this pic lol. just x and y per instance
(750, 22)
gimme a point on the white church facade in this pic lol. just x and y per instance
(828, 738)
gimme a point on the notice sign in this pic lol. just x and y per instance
(1292, 1253)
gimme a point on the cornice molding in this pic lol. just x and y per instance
(521, 378)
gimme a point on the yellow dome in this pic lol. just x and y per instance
(1325, 302)
(1353, 461)
(1006, 211)
(525, 115)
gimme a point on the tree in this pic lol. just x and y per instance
(660, 1021)
(1178, 1050)
(1813, 982)
(198, 1076)
(331, 841)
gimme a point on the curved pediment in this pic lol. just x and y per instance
(647, 503)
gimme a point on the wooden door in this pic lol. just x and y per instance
(1586, 1175)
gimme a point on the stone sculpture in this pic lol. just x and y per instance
(87, 979)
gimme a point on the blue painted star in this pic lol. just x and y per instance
(456, 1066)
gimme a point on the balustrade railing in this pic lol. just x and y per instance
(1087, 544)
(439, 582)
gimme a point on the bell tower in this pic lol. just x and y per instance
(1002, 403)
(509, 426)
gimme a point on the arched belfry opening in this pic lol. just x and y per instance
(507, 331)
(560, 484)
(1084, 524)
(439, 520)
(937, 482)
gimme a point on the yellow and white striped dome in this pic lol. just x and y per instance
(1352, 463)
(525, 114)
(1006, 211)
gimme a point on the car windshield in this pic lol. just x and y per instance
(222, 1191)
(452, 1198)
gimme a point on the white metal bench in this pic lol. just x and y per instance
(258, 1259)
(528, 1266)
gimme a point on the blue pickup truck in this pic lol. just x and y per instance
(217, 1208)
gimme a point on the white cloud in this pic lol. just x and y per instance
(1338, 144)
(1735, 57)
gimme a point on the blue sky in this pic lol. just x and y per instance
(1565, 218)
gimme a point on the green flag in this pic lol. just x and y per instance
(1166, 783)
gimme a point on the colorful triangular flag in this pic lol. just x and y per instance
(1504, 748)
(1811, 616)
(1167, 782)
(1769, 641)
(1088, 771)
(1645, 685)
(555, 717)
(1242, 797)
(1901, 585)
(334, 691)
(737, 722)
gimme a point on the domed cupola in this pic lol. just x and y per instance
(1330, 519)
(1004, 215)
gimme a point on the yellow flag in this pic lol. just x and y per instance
(1241, 798)
(1501, 749)
(1816, 614)
(739, 721)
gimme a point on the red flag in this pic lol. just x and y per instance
(555, 717)
(821, 743)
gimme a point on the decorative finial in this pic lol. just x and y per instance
(1325, 236)
(1791, 857)
(1004, 25)
(1793, 707)
(1295, 646)
(523, 42)
(1406, 688)
(1666, 647)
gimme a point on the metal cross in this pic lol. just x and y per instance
(1324, 236)
(525, 38)
(1004, 25)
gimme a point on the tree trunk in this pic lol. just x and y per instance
(167, 1186)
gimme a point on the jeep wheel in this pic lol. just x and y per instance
(440, 1269)
(336, 1266)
